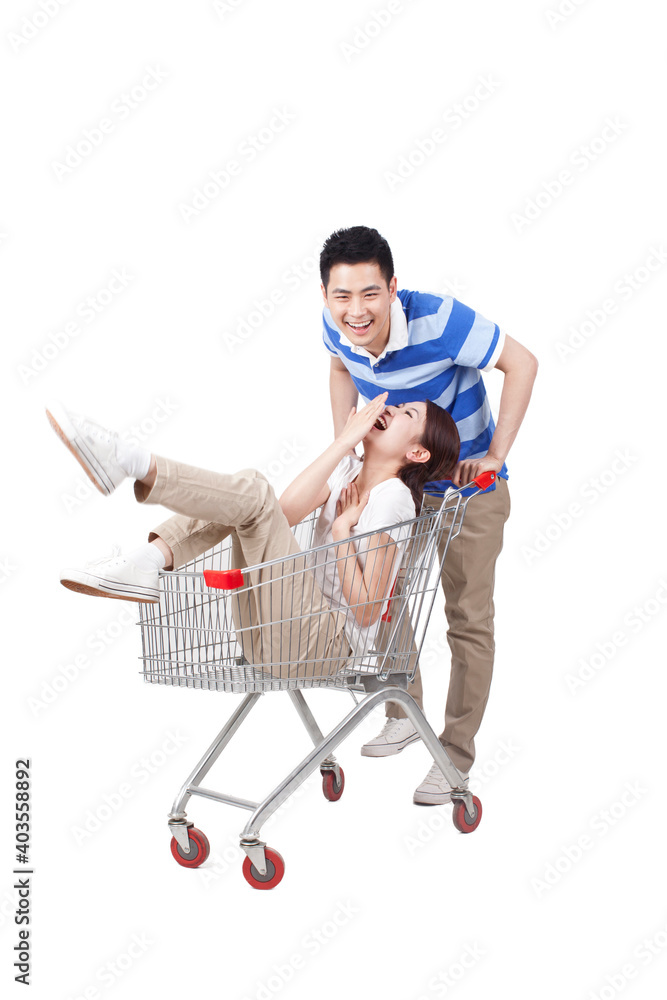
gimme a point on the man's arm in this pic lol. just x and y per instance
(520, 368)
(344, 394)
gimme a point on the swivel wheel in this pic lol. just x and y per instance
(199, 849)
(464, 821)
(275, 869)
(332, 786)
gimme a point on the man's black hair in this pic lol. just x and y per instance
(357, 245)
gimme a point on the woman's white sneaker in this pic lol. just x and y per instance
(395, 736)
(435, 790)
(93, 446)
(114, 576)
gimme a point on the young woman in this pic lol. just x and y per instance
(333, 604)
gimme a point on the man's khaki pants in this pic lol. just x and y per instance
(467, 579)
(281, 616)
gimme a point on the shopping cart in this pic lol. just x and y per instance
(218, 628)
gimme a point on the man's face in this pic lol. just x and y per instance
(360, 302)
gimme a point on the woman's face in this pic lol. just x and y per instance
(398, 430)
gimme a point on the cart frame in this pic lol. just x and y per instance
(191, 621)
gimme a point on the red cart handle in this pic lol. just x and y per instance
(484, 479)
(223, 579)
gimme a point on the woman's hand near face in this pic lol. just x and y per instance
(310, 489)
(359, 424)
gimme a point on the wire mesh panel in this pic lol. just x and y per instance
(276, 631)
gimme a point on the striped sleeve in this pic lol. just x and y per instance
(327, 342)
(473, 341)
(329, 335)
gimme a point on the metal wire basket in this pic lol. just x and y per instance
(256, 629)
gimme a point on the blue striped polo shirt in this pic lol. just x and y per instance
(437, 349)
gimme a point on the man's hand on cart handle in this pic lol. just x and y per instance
(470, 468)
(359, 424)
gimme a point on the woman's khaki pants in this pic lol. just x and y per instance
(282, 619)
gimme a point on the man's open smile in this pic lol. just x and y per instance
(359, 327)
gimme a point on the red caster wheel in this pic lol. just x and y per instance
(199, 849)
(275, 869)
(332, 789)
(463, 821)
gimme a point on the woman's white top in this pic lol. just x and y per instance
(389, 503)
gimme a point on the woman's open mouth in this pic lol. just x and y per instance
(359, 327)
(381, 423)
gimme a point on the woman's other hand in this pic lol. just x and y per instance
(349, 508)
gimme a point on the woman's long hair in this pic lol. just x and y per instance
(441, 439)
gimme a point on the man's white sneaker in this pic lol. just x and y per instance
(435, 789)
(395, 736)
(114, 576)
(92, 445)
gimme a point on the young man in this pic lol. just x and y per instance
(417, 345)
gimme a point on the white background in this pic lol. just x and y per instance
(397, 896)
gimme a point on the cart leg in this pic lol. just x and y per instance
(306, 716)
(314, 731)
(177, 821)
(340, 733)
(333, 778)
(289, 785)
(250, 839)
(437, 751)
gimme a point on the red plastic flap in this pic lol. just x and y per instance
(485, 479)
(223, 579)
(386, 617)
